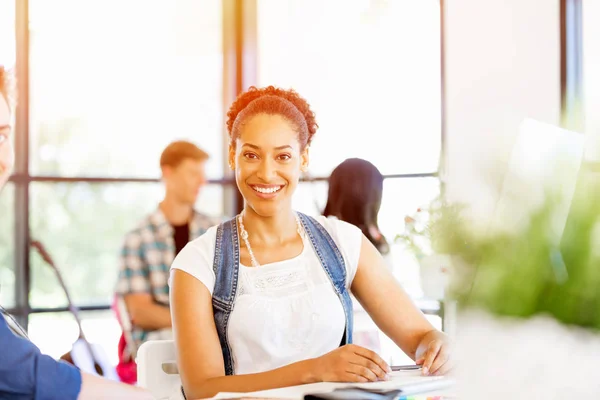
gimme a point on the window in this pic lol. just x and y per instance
(7, 247)
(55, 333)
(402, 197)
(100, 95)
(371, 71)
(103, 103)
(210, 201)
(82, 226)
(310, 197)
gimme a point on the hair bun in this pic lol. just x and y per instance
(290, 95)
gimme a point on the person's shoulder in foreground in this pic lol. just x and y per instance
(26, 373)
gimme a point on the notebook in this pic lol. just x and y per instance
(407, 382)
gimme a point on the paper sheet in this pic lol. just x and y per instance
(398, 379)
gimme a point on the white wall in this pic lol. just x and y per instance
(502, 65)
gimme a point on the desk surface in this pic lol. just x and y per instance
(398, 379)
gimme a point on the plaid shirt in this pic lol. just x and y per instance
(146, 257)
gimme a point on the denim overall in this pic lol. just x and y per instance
(226, 267)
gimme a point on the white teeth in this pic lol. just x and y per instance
(266, 190)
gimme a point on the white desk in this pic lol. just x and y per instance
(297, 392)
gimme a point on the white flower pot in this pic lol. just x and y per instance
(435, 275)
(537, 358)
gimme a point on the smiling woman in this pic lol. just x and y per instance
(278, 127)
(269, 160)
(269, 291)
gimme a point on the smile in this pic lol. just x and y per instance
(266, 189)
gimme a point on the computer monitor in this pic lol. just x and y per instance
(544, 158)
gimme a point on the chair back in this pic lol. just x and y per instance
(157, 368)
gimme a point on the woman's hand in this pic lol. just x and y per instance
(433, 354)
(350, 363)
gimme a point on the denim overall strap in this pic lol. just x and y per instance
(226, 268)
(333, 264)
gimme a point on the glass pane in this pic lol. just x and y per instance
(310, 198)
(101, 95)
(591, 74)
(402, 197)
(210, 200)
(55, 333)
(370, 69)
(7, 246)
(7, 33)
(82, 226)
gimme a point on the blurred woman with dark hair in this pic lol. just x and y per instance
(355, 191)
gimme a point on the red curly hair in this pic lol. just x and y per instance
(275, 101)
(4, 83)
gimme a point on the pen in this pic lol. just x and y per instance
(405, 367)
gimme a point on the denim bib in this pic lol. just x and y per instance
(226, 268)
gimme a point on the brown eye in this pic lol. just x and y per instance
(284, 157)
(251, 156)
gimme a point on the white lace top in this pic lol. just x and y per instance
(285, 311)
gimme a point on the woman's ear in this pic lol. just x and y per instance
(232, 156)
(304, 159)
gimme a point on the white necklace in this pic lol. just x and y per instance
(244, 235)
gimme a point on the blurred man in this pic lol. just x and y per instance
(26, 373)
(149, 249)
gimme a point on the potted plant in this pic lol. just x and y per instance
(529, 307)
(433, 235)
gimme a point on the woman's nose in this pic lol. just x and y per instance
(266, 171)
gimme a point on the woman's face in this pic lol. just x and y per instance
(6, 151)
(267, 160)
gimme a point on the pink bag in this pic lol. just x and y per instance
(126, 368)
